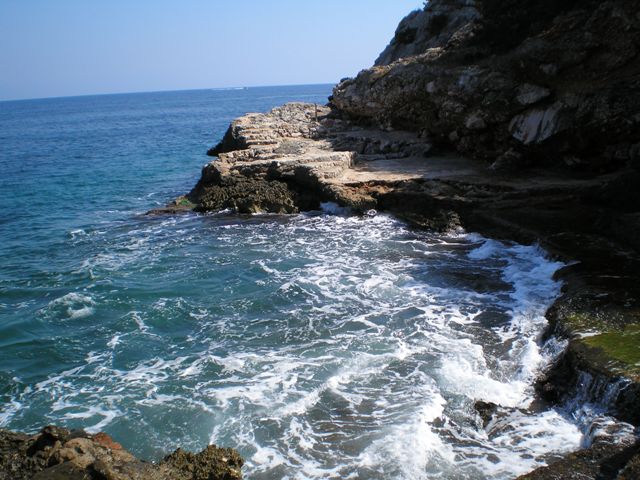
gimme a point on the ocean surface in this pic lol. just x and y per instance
(321, 345)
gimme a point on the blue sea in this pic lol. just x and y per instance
(320, 345)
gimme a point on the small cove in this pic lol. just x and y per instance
(320, 345)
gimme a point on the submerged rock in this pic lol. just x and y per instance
(59, 454)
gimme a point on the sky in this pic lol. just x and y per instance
(79, 47)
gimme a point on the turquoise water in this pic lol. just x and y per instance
(321, 345)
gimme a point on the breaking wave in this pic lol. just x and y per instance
(320, 345)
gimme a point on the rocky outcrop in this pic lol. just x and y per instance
(299, 155)
(59, 454)
(428, 28)
(269, 162)
(546, 83)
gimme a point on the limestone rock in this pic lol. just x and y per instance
(431, 27)
(458, 61)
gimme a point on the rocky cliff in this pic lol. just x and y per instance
(517, 83)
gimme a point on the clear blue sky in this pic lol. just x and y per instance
(78, 47)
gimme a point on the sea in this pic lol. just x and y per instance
(320, 345)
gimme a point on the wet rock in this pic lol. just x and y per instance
(600, 462)
(486, 410)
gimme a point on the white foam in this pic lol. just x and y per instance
(489, 248)
(331, 208)
(113, 343)
(405, 450)
(94, 411)
(80, 312)
(359, 355)
(9, 411)
(77, 233)
(78, 305)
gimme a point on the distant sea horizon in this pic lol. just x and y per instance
(136, 92)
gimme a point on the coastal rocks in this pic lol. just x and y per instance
(602, 461)
(299, 155)
(551, 80)
(431, 27)
(275, 162)
(599, 315)
(486, 410)
(515, 119)
(59, 454)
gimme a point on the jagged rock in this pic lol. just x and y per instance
(431, 27)
(273, 162)
(459, 60)
(58, 454)
(600, 462)
(299, 155)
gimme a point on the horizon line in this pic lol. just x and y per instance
(239, 87)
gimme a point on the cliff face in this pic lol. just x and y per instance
(428, 28)
(513, 82)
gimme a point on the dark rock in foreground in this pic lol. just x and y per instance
(601, 462)
(59, 454)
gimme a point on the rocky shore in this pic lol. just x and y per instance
(519, 120)
(59, 454)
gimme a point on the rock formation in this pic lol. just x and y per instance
(517, 119)
(58, 454)
(553, 83)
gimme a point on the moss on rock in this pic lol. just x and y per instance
(622, 347)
